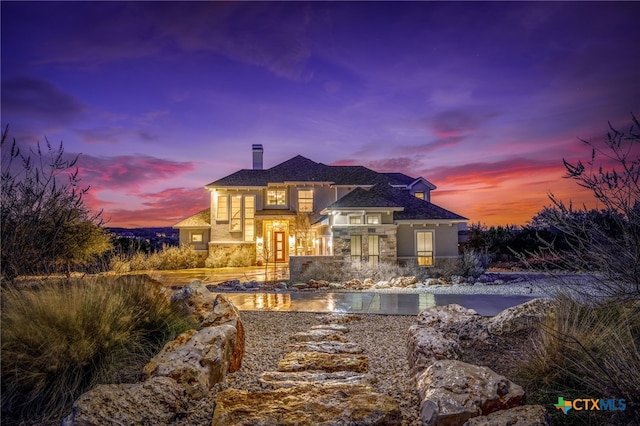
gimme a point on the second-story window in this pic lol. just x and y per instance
(419, 195)
(305, 200)
(223, 208)
(355, 220)
(277, 197)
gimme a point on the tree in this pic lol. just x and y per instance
(45, 225)
(607, 241)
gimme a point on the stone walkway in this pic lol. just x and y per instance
(323, 378)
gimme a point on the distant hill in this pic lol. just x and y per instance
(156, 237)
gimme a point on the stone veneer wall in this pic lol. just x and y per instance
(299, 264)
(387, 239)
(229, 249)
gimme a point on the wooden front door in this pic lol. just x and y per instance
(278, 238)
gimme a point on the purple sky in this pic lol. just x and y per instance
(161, 98)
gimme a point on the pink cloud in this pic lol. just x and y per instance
(164, 208)
(128, 171)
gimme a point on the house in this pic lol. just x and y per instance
(303, 208)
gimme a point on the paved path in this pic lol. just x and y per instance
(370, 303)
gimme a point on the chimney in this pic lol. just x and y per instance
(257, 156)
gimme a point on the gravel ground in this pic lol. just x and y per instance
(382, 337)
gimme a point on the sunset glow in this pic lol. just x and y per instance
(161, 98)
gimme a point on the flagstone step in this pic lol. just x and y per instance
(303, 361)
(319, 336)
(335, 404)
(326, 347)
(277, 379)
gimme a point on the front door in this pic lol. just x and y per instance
(278, 238)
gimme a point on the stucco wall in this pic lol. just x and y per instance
(185, 238)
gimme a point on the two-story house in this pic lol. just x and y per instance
(300, 207)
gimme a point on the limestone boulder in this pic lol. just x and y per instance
(521, 318)
(194, 300)
(277, 379)
(157, 401)
(224, 312)
(326, 347)
(307, 406)
(304, 361)
(425, 345)
(197, 360)
(451, 392)
(319, 335)
(525, 415)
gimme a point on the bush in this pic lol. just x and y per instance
(241, 257)
(383, 271)
(60, 339)
(587, 351)
(217, 259)
(45, 225)
(472, 264)
(183, 257)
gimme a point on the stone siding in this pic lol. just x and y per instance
(386, 237)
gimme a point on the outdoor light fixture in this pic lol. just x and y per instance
(259, 241)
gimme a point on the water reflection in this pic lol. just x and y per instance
(369, 303)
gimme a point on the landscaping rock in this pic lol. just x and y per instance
(453, 392)
(155, 402)
(427, 345)
(318, 336)
(335, 327)
(224, 312)
(304, 361)
(521, 318)
(339, 318)
(279, 379)
(326, 347)
(315, 405)
(196, 359)
(525, 415)
(194, 300)
(454, 321)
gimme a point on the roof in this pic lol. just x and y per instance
(385, 196)
(301, 169)
(202, 219)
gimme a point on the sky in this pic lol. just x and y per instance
(483, 99)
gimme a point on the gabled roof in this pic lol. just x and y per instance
(301, 169)
(202, 219)
(406, 206)
(400, 179)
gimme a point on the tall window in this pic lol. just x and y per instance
(305, 200)
(419, 195)
(424, 248)
(249, 214)
(356, 248)
(235, 224)
(374, 249)
(276, 197)
(223, 208)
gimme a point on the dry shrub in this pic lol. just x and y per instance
(60, 339)
(217, 259)
(241, 257)
(587, 351)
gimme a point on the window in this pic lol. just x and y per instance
(373, 219)
(424, 248)
(355, 220)
(374, 249)
(223, 208)
(305, 200)
(249, 213)
(356, 248)
(196, 237)
(419, 195)
(235, 223)
(276, 197)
